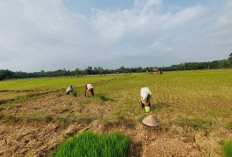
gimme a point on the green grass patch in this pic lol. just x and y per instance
(109, 121)
(74, 94)
(25, 97)
(84, 102)
(227, 148)
(229, 125)
(10, 118)
(89, 144)
(195, 123)
(37, 117)
(82, 118)
(102, 97)
(1, 116)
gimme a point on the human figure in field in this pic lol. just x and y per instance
(69, 89)
(88, 87)
(145, 94)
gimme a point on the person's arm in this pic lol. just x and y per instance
(85, 90)
(142, 105)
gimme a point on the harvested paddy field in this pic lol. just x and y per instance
(194, 109)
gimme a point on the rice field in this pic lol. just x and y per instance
(194, 110)
(49, 82)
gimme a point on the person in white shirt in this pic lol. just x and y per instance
(88, 87)
(69, 89)
(145, 94)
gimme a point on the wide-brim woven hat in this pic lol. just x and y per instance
(150, 121)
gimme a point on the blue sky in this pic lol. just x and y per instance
(55, 34)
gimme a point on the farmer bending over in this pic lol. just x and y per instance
(89, 87)
(145, 94)
(69, 89)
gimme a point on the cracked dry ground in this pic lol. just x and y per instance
(35, 126)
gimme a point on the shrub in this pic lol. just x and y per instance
(95, 145)
(74, 94)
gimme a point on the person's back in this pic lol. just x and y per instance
(88, 87)
(69, 89)
(145, 94)
(145, 91)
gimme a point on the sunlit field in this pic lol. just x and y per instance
(49, 82)
(194, 108)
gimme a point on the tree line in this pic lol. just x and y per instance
(218, 64)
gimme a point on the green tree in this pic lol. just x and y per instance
(100, 70)
(95, 70)
(83, 72)
(89, 70)
(77, 72)
(230, 59)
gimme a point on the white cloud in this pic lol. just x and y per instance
(183, 16)
(223, 24)
(43, 34)
(221, 29)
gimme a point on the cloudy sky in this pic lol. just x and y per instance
(55, 34)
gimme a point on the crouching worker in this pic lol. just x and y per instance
(69, 89)
(145, 94)
(88, 87)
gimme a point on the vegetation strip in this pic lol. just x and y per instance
(95, 145)
(217, 64)
(26, 97)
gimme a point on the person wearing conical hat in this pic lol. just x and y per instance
(88, 87)
(145, 94)
(69, 89)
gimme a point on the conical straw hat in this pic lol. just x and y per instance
(150, 121)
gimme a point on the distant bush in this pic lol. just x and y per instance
(227, 148)
(102, 97)
(89, 144)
